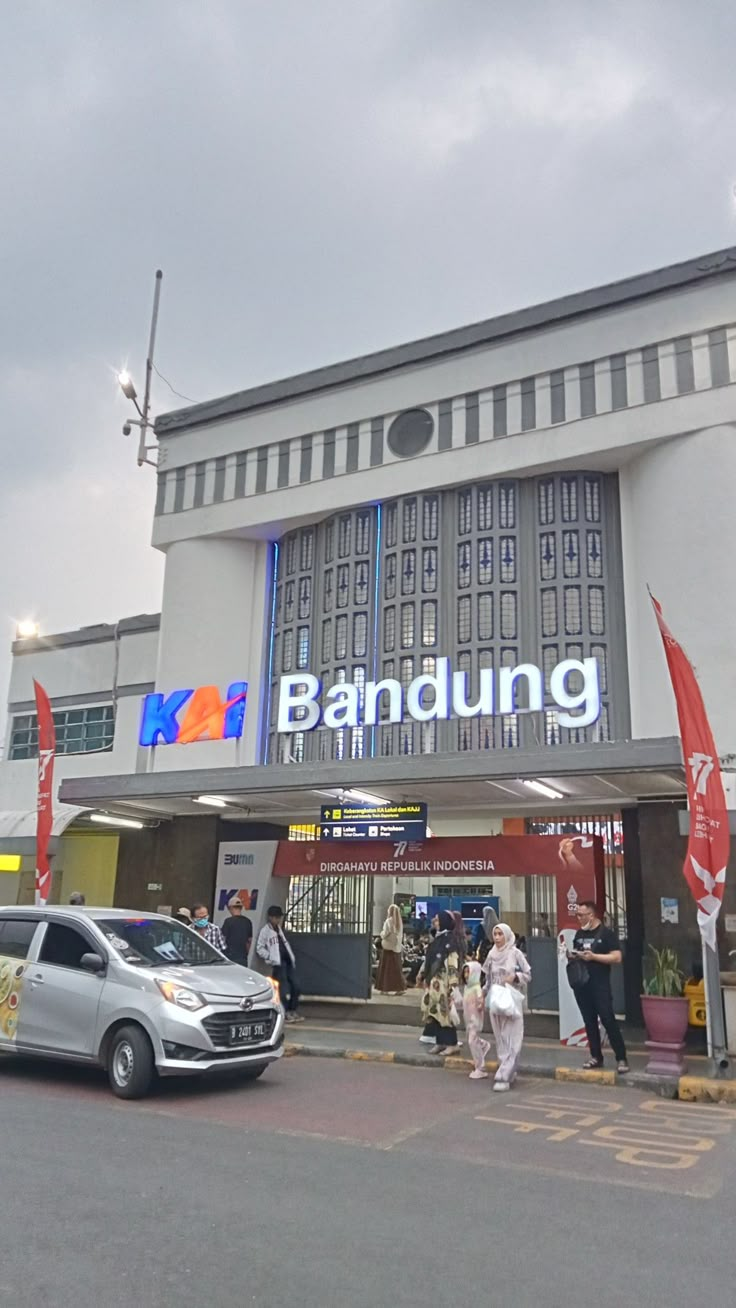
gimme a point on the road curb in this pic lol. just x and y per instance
(452, 1062)
(369, 1056)
(663, 1086)
(703, 1090)
(696, 1089)
(589, 1076)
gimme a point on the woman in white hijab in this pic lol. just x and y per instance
(506, 968)
(390, 977)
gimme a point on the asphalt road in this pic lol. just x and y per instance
(358, 1184)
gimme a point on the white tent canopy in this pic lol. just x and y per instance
(18, 826)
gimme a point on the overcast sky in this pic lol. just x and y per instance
(317, 178)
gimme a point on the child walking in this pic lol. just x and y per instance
(507, 966)
(473, 1012)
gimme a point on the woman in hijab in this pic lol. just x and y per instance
(484, 934)
(506, 966)
(390, 978)
(441, 973)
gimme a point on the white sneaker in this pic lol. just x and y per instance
(478, 1075)
(501, 1086)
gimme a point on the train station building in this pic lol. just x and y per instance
(421, 576)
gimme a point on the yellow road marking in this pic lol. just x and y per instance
(526, 1128)
(631, 1133)
(555, 1099)
(654, 1138)
(689, 1111)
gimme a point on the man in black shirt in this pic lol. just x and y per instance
(238, 932)
(598, 947)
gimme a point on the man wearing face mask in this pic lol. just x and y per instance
(209, 932)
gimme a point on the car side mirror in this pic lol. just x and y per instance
(92, 962)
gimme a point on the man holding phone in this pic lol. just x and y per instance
(598, 947)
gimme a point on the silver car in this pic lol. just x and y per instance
(136, 993)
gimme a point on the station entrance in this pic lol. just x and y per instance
(331, 897)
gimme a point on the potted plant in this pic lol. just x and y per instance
(665, 1011)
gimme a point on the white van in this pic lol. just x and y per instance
(138, 994)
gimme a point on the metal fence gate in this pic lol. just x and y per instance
(330, 920)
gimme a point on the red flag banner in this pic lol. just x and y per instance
(44, 810)
(708, 844)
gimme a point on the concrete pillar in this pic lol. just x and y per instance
(701, 362)
(214, 631)
(667, 370)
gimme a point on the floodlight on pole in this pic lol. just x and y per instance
(125, 381)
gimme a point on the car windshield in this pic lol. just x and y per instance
(156, 941)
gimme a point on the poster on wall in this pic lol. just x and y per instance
(244, 868)
(669, 910)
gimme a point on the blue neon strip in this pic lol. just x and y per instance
(271, 640)
(376, 602)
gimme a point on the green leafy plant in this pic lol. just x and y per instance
(666, 979)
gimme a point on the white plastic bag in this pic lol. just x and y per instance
(505, 1001)
(501, 1001)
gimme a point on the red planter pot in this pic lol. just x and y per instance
(666, 1023)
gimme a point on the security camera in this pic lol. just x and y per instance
(127, 429)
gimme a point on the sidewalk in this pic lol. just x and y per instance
(380, 1042)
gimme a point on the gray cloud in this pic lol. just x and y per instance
(316, 180)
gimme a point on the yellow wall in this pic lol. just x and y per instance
(9, 883)
(88, 862)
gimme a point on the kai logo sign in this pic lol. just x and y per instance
(188, 715)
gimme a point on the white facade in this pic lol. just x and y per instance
(633, 383)
(92, 667)
(106, 667)
(674, 455)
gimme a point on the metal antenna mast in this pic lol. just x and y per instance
(143, 422)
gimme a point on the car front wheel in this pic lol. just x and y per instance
(130, 1063)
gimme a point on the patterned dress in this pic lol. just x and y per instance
(436, 1001)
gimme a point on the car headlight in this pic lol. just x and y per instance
(181, 996)
(276, 990)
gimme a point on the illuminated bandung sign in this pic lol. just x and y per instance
(300, 708)
(188, 715)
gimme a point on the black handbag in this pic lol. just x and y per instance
(577, 974)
